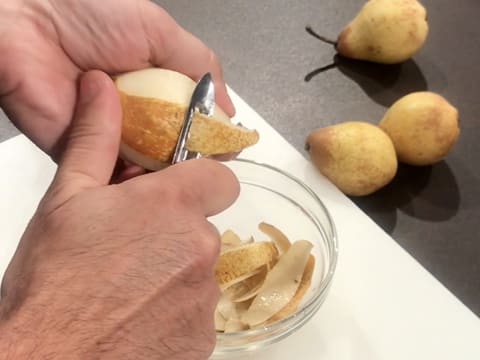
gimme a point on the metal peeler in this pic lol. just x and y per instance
(203, 101)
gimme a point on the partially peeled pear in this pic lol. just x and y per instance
(385, 31)
(154, 102)
(358, 157)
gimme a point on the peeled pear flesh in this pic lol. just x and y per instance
(423, 127)
(385, 31)
(154, 102)
(358, 157)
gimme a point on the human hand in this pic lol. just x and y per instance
(116, 271)
(46, 45)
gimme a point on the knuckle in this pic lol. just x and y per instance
(221, 172)
(181, 196)
(213, 58)
(50, 220)
(209, 238)
(207, 247)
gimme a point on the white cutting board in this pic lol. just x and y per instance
(382, 305)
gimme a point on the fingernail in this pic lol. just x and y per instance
(89, 88)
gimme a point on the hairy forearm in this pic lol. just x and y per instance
(16, 342)
(29, 336)
(21, 338)
(12, 347)
(29, 331)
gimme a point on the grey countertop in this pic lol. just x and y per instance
(266, 54)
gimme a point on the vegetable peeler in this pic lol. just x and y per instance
(203, 101)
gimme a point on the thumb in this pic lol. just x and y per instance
(94, 139)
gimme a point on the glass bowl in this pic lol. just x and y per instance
(271, 195)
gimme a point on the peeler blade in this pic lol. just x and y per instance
(203, 101)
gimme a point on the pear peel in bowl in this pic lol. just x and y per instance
(243, 260)
(153, 104)
(269, 194)
(264, 285)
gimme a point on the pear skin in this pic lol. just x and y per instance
(385, 31)
(358, 157)
(423, 127)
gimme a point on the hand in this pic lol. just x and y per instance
(46, 45)
(116, 271)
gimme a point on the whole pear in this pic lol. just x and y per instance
(423, 127)
(385, 31)
(358, 157)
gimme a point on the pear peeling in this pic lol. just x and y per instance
(268, 289)
(240, 279)
(280, 285)
(234, 325)
(244, 260)
(229, 240)
(249, 287)
(279, 238)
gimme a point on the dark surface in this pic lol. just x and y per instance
(433, 212)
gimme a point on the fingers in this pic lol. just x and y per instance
(176, 49)
(94, 137)
(205, 184)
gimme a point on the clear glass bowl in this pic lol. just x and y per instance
(272, 195)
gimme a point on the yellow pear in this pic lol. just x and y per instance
(358, 157)
(423, 127)
(154, 102)
(385, 31)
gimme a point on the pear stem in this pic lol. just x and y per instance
(309, 30)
